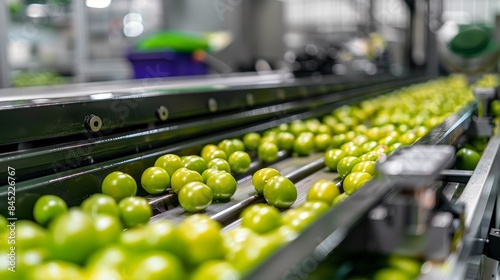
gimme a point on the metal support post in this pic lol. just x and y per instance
(4, 40)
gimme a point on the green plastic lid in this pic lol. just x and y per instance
(177, 41)
(470, 41)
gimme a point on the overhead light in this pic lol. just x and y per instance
(98, 4)
(132, 17)
(133, 29)
(36, 11)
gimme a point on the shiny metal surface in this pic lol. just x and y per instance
(81, 39)
(49, 120)
(450, 189)
(453, 127)
(58, 158)
(417, 166)
(482, 187)
(117, 89)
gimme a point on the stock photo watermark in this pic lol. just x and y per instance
(11, 219)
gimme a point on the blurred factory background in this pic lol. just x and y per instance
(64, 41)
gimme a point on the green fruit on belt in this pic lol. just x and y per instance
(467, 159)
(495, 107)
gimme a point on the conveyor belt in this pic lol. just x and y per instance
(35, 168)
(319, 240)
(112, 144)
(226, 212)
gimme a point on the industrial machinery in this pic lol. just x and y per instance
(67, 141)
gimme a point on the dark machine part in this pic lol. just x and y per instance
(313, 59)
(492, 247)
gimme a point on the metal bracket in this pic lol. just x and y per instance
(417, 166)
(439, 243)
(417, 219)
(390, 231)
(485, 93)
(456, 176)
(484, 96)
(481, 126)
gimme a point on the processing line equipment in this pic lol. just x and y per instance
(65, 140)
